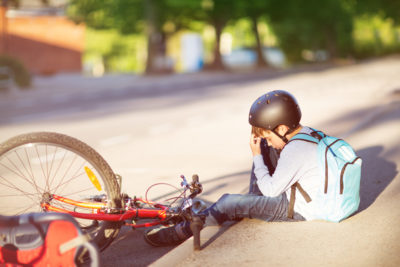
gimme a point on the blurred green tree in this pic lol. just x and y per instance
(380, 21)
(387, 8)
(298, 24)
(314, 25)
(157, 19)
(216, 13)
(254, 10)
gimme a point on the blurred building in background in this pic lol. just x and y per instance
(41, 36)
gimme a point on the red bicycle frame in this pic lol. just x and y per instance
(99, 212)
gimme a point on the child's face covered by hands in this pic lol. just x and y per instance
(255, 146)
(271, 138)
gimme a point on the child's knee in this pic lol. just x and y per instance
(228, 202)
(223, 197)
(228, 198)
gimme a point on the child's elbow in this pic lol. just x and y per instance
(270, 193)
(274, 194)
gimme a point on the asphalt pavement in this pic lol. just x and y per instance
(368, 238)
(151, 129)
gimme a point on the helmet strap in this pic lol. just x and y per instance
(283, 138)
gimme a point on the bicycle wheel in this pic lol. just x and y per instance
(35, 166)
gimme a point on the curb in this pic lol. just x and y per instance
(184, 250)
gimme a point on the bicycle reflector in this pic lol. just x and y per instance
(93, 178)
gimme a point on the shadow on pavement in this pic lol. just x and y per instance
(130, 249)
(377, 173)
(224, 227)
(365, 118)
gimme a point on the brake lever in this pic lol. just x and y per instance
(184, 182)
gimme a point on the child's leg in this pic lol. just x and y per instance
(227, 208)
(235, 207)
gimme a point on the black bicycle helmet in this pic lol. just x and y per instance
(273, 109)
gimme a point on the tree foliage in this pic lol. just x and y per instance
(298, 24)
(388, 8)
(313, 25)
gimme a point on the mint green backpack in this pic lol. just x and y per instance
(340, 168)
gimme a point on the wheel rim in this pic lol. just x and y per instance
(30, 174)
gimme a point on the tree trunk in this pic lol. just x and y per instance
(331, 43)
(217, 63)
(150, 54)
(151, 35)
(261, 62)
(156, 62)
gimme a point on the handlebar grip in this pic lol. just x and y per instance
(195, 178)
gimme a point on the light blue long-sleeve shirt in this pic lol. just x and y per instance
(298, 162)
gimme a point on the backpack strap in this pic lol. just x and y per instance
(305, 137)
(314, 137)
(291, 202)
(293, 198)
(317, 134)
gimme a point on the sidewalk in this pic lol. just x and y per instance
(368, 238)
(357, 101)
(75, 83)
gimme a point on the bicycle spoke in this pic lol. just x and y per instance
(64, 163)
(40, 161)
(47, 170)
(80, 191)
(21, 161)
(74, 176)
(55, 174)
(23, 194)
(30, 165)
(62, 179)
(28, 209)
(11, 186)
(51, 166)
(23, 178)
(30, 174)
(14, 211)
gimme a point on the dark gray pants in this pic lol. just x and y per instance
(252, 205)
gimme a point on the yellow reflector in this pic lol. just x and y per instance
(93, 178)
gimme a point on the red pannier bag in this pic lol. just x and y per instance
(44, 239)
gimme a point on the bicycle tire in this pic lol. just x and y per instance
(17, 152)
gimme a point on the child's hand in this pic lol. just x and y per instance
(255, 145)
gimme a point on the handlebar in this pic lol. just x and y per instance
(196, 223)
(195, 186)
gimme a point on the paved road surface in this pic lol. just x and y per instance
(153, 129)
